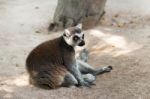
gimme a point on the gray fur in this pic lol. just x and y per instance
(83, 73)
(53, 62)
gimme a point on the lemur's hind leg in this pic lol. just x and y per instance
(86, 68)
(69, 80)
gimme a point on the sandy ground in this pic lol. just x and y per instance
(123, 41)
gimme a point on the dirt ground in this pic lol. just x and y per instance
(122, 40)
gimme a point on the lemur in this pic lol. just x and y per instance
(53, 63)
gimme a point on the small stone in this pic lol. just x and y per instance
(112, 46)
(116, 15)
(2, 84)
(36, 7)
(22, 24)
(120, 24)
(37, 32)
(17, 65)
(1, 58)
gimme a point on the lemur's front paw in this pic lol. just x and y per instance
(84, 55)
(86, 84)
(89, 78)
(107, 68)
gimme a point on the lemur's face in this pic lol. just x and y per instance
(74, 36)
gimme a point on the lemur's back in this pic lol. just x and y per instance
(45, 54)
(47, 59)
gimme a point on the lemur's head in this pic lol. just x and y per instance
(74, 36)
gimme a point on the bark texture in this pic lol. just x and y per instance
(71, 12)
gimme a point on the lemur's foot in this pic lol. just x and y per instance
(103, 70)
(107, 68)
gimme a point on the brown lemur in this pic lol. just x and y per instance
(53, 62)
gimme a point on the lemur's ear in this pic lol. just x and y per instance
(79, 26)
(67, 33)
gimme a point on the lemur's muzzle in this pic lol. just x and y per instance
(82, 43)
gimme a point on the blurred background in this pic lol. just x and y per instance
(120, 37)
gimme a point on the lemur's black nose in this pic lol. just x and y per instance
(82, 43)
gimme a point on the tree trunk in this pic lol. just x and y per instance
(71, 12)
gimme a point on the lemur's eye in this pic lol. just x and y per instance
(83, 36)
(76, 38)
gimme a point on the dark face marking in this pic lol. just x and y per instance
(83, 36)
(79, 40)
(82, 43)
(76, 38)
